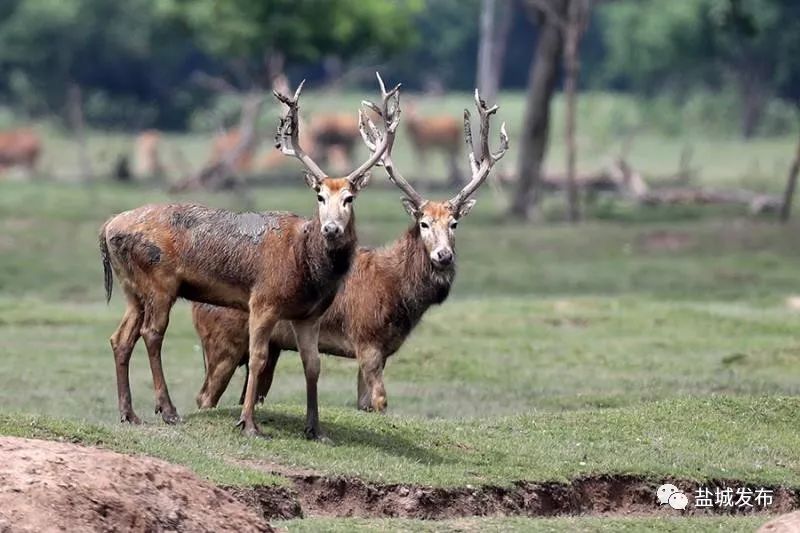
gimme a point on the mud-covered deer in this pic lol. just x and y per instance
(277, 266)
(383, 297)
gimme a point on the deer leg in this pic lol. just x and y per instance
(122, 342)
(307, 338)
(363, 399)
(454, 173)
(265, 382)
(220, 367)
(371, 362)
(156, 320)
(261, 324)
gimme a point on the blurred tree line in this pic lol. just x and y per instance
(152, 63)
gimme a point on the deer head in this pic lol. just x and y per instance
(437, 221)
(335, 196)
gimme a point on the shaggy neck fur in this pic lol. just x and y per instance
(422, 284)
(325, 262)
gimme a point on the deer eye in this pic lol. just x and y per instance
(348, 200)
(320, 199)
(424, 225)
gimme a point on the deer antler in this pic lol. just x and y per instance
(371, 137)
(389, 112)
(480, 165)
(286, 138)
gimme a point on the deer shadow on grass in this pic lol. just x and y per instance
(280, 425)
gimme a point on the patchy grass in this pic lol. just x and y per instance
(750, 439)
(580, 525)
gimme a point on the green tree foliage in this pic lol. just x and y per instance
(448, 41)
(752, 44)
(299, 30)
(119, 49)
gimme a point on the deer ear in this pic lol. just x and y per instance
(411, 208)
(311, 180)
(465, 208)
(359, 182)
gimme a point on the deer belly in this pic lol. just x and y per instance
(220, 294)
(331, 343)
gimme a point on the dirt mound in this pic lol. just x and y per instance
(787, 523)
(54, 486)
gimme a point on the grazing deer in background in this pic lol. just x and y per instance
(20, 147)
(147, 160)
(225, 143)
(277, 266)
(383, 297)
(440, 133)
(336, 133)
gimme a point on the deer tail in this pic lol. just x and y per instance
(108, 273)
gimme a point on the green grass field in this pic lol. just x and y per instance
(652, 343)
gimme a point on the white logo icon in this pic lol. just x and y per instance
(678, 501)
(668, 494)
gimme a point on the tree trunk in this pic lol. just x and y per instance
(222, 174)
(536, 118)
(77, 125)
(495, 24)
(576, 23)
(791, 182)
(753, 101)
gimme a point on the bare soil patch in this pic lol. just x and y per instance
(56, 486)
(605, 495)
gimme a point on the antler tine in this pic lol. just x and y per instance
(480, 164)
(390, 110)
(473, 163)
(286, 138)
(398, 179)
(390, 114)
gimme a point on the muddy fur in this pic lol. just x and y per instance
(381, 301)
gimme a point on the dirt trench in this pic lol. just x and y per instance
(606, 495)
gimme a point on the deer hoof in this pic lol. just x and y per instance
(249, 429)
(171, 417)
(315, 434)
(130, 418)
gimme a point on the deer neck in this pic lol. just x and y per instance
(423, 284)
(327, 263)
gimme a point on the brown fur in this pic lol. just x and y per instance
(20, 147)
(340, 129)
(381, 301)
(437, 133)
(227, 142)
(147, 159)
(277, 266)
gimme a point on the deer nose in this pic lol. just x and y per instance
(444, 256)
(331, 230)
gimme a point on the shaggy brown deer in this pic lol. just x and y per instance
(383, 297)
(277, 266)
